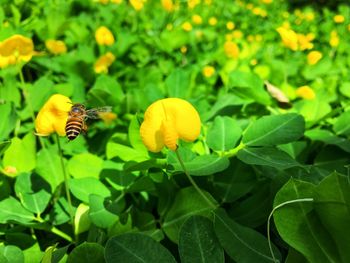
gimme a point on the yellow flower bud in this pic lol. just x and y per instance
(197, 19)
(187, 26)
(231, 49)
(103, 63)
(168, 120)
(305, 92)
(339, 19)
(313, 57)
(56, 47)
(208, 71)
(213, 21)
(52, 117)
(104, 36)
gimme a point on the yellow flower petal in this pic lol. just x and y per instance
(168, 120)
(56, 47)
(313, 57)
(52, 117)
(104, 36)
(305, 92)
(103, 63)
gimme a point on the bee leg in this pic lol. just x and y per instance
(84, 128)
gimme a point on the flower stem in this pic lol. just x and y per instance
(269, 219)
(66, 184)
(210, 203)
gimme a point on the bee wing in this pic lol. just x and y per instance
(94, 113)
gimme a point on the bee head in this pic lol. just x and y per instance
(78, 108)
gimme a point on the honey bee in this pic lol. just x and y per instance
(78, 115)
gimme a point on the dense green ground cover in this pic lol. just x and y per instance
(271, 85)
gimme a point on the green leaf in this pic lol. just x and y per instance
(100, 213)
(299, 226)
(105, 92)
(87, 252)
(345, 89)
(125, 153)
(21, 154)
(202, 165)
(85, 165)
(274, 130)
(7, 113)
(268, 156)
(249, 86)
(342, 124)
(12, 253)
(81, 219)
(224, 134)
(328, 138)
(33, 254)
(4, 146)
(241, 243)
(313, 110)
(332, 204)
(198, 242)
(82, 188)
(178, 83)
(49, 167)
(12, 210)
(136, 248)
(134, 135)
(187, 202)
(27, 189)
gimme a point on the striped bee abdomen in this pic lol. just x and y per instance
(74, 127)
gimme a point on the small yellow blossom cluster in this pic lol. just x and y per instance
(137, 4)
(16, 49)
(313, 57)
(168, 5)
(295, 41)
(231, 49)
(104, 37)
(334, 39)
(339, 19)
(56, 47)
(300, 16)
(208, 71)
(305, 92)
(193, 3)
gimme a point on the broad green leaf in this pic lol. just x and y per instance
(198, 242)
(134, 135)
(3, 146)
(82, 188)
(328, 138)
(313, 110)
(342, 124)
(105, 92)
(332, 204)
(33, 192)
(241, 243)
(12, 210)
(40, 91)
(202, 165)
(274, 130)
(299, 226)
(321, 68)
(249, 86)
(293, 148)
(268, 156)
(125, 153)
(178, 83)
(224, 134)
(345, 89)
(21, 154)
(33, 254)
(53, 254)
(7, 113)
(85, 165)
(12, 253)
(49, 167)
(100, 213)
(87, 252)
(136, 248)
(81, 219)
(187, 202)
(59, 214)
(234, 182)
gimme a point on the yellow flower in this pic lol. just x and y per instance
(103, 63)
(208, 71)
(187, 26)
(237, 34)
(304, 41)
(183, 49)
(6, 61)
(104, 36)
(289, 38)
(168, 120)
(313, 57)
(192, 3)
(231, 49)
(266, 1)
(137, 4)
(213, 21)
(339, 19)
(56, 47)
(197, 19)
(107, 117)
(17, 48)
(309, 16)
(230, 25)
(53, 116)
(168, 5)
(116, 1)
(334, 41)
(305, 92)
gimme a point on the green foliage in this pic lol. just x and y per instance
(104, 197)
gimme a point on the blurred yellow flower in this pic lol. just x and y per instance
(208, 71)
(168, 5)
(304, 41)
(305, 92)
(208, 2)
(289, 38)
(104, 36)
(230, 25)
(107, 117)
(10, 171)
(137, 4)
(183, 49)
(168, 120)
(213, 21)
(6, 61)
(197, 19)
(237, 34)
(231, 49)
(266, 1)
(334, 40)
(56, 47)
(52, 117)
(313, 57)
(187, 26)
(258, 38)
(259, 12)
(116, 1)
(103, 63)
(192, 3)
(15, 49)
(339, 19)
(249, 6)
(310, 16)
